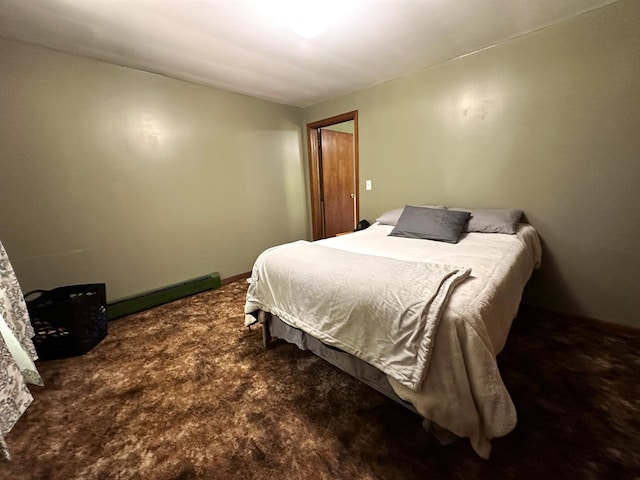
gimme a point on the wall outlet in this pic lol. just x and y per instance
(367, 185)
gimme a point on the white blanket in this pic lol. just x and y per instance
(382, 310)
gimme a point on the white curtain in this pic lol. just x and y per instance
(17, 352)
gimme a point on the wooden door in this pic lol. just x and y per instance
(315, 172)
(338, 182)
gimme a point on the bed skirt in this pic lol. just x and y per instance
(272, 326)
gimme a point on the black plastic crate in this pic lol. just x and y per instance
(68, 321)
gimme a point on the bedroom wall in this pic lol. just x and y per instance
(547, 122)
(138, 180)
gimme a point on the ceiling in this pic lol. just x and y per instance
(248, 47)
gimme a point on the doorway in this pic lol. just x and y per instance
(333, 175)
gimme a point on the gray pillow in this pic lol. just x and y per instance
(391, 217)
(430, 224)
(492, 220)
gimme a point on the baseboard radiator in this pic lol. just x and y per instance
(152, 298)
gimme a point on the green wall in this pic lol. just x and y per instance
(344, 127)
(116, 175)
(547, 122)
(137, 180)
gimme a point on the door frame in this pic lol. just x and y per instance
(314, 168)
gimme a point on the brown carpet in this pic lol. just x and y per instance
(184, 391)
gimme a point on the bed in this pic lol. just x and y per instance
(360, 302)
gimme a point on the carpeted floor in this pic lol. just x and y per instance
(184, 391)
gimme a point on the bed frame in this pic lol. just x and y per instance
(359, 369)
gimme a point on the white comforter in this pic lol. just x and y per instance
(463, 390)
(382, 310)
